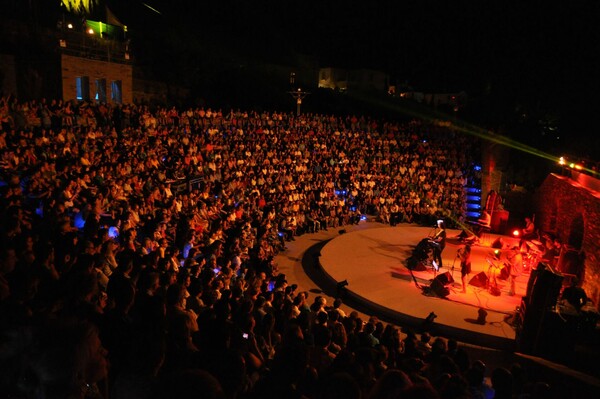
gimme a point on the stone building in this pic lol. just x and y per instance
(568, 207)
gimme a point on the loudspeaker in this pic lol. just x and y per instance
(439, 283)
(545, 288)
(479, 280)
(438, 288)
(445, 278)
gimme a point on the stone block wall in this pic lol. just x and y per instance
(74, 67)
(572, 212)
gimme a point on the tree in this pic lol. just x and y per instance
(79, 6)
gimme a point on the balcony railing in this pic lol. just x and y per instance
(84, 45)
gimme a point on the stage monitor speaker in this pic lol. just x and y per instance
(445, 278)
(545, 288)
(504, 273)
(479, 280)
(438, 288)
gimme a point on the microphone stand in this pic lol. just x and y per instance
(453, 263)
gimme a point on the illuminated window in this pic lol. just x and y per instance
(83, 87)
(115, 92)
(100, 90)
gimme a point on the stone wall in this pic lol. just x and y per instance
(572, 213)
(74, 67)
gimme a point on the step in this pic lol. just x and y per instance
(472, 214)
(472, 190)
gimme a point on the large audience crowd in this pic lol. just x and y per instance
(138, 243)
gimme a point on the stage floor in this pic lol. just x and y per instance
(374, 263)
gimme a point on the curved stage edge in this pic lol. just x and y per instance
(373, 263)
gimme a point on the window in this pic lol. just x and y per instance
(100, 90)
(83, 87)
(115, 92)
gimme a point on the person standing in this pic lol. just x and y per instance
(515, 260)
(464, 256)
(439, 243)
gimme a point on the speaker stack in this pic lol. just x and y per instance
(539, 321)
(439, 284)
(479, 280)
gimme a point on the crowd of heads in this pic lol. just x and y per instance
(138, 252)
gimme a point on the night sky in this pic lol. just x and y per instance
(441, 43)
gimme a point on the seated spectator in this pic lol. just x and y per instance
(574, 294)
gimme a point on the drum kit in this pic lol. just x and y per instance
(532, 254)
(498, 269)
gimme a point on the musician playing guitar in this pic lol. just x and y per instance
(493, 271)
(515, 261)
(438, 243)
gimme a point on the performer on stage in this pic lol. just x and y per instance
(484, 222)
(529, 229)
(439, 243)
(493, 271)
(515, 261)
(464, 255)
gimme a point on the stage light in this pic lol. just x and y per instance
(90, 31)
(113, 232)
(70, 25)
(430, 317)
(339, 288)
(562, 161)
(516, 233)
(79, 221)
(481, 315)
(428, 322)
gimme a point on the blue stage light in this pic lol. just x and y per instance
(113, 232)
(78, 220)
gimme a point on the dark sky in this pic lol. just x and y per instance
(542, 45)
(401, 37)
(539, 55)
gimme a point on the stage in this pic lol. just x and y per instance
(374, 264)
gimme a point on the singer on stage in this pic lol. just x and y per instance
(464, 256)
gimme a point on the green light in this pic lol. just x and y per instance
(467, 128)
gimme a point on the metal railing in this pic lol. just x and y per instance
(89, 46)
